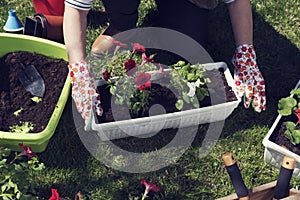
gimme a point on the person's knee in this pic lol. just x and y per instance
(123, 13)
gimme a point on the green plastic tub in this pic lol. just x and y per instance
(14, 42)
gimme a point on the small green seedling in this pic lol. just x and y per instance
(17, 112)
(288, 106)
(25, 127)
(36, 99)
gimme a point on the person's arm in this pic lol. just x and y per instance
(74, 28)
(249, 81)
(84, 89)
(241, 19)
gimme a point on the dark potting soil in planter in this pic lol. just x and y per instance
(163, 96)
(279, 137)
(13, 95)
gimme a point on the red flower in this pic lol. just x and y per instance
(145, 59)
(149, 186)
(297, 111)
(143, 80)
(121, 44)
(130, 66)
(106, 75)
(138, 48)
(55, 195)
(26, 151)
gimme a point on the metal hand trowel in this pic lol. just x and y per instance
(31, 80)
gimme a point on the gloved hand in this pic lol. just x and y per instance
(249, 82)
(84, 92)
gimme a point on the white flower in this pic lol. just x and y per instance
(193, 86)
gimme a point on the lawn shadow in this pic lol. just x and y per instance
(277, 59)
(67, 150)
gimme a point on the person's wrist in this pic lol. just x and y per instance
(245, 47)
(245, 51)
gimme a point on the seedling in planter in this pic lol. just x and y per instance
(25, 127)
(192, 76)
(289, 106)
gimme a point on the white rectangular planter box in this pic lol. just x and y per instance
(274, 153)
(154, 124)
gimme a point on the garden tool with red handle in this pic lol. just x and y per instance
(31, 80)
(235, 176)
(282, 188)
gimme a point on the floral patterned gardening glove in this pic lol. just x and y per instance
(249, 82)
(84, 92)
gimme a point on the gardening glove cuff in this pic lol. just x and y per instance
(249, 82)
(84, 92)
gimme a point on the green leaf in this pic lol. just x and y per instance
(191, 77)
(201, 93)
(112, 90)
(296, 135)
(2, 162)
(179, 104)
(3, 188)
(5, 152)
(290, 125)
(36, 99)
(18, 168)
(286, 105)
(186, 98)
(39, 167)
(136, 106)
(291, 133)
(7, 197)
(296, 92)
(179, 64)
(17, 112)
(119, 100)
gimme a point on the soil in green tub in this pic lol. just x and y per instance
(16, 105)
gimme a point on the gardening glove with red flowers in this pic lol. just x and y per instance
(84, 92)
(249, 82)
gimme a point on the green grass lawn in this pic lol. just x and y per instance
(70, 168)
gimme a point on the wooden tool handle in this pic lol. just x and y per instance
(288, 163)
(228, 159)
(235, 176)
(282, 188)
